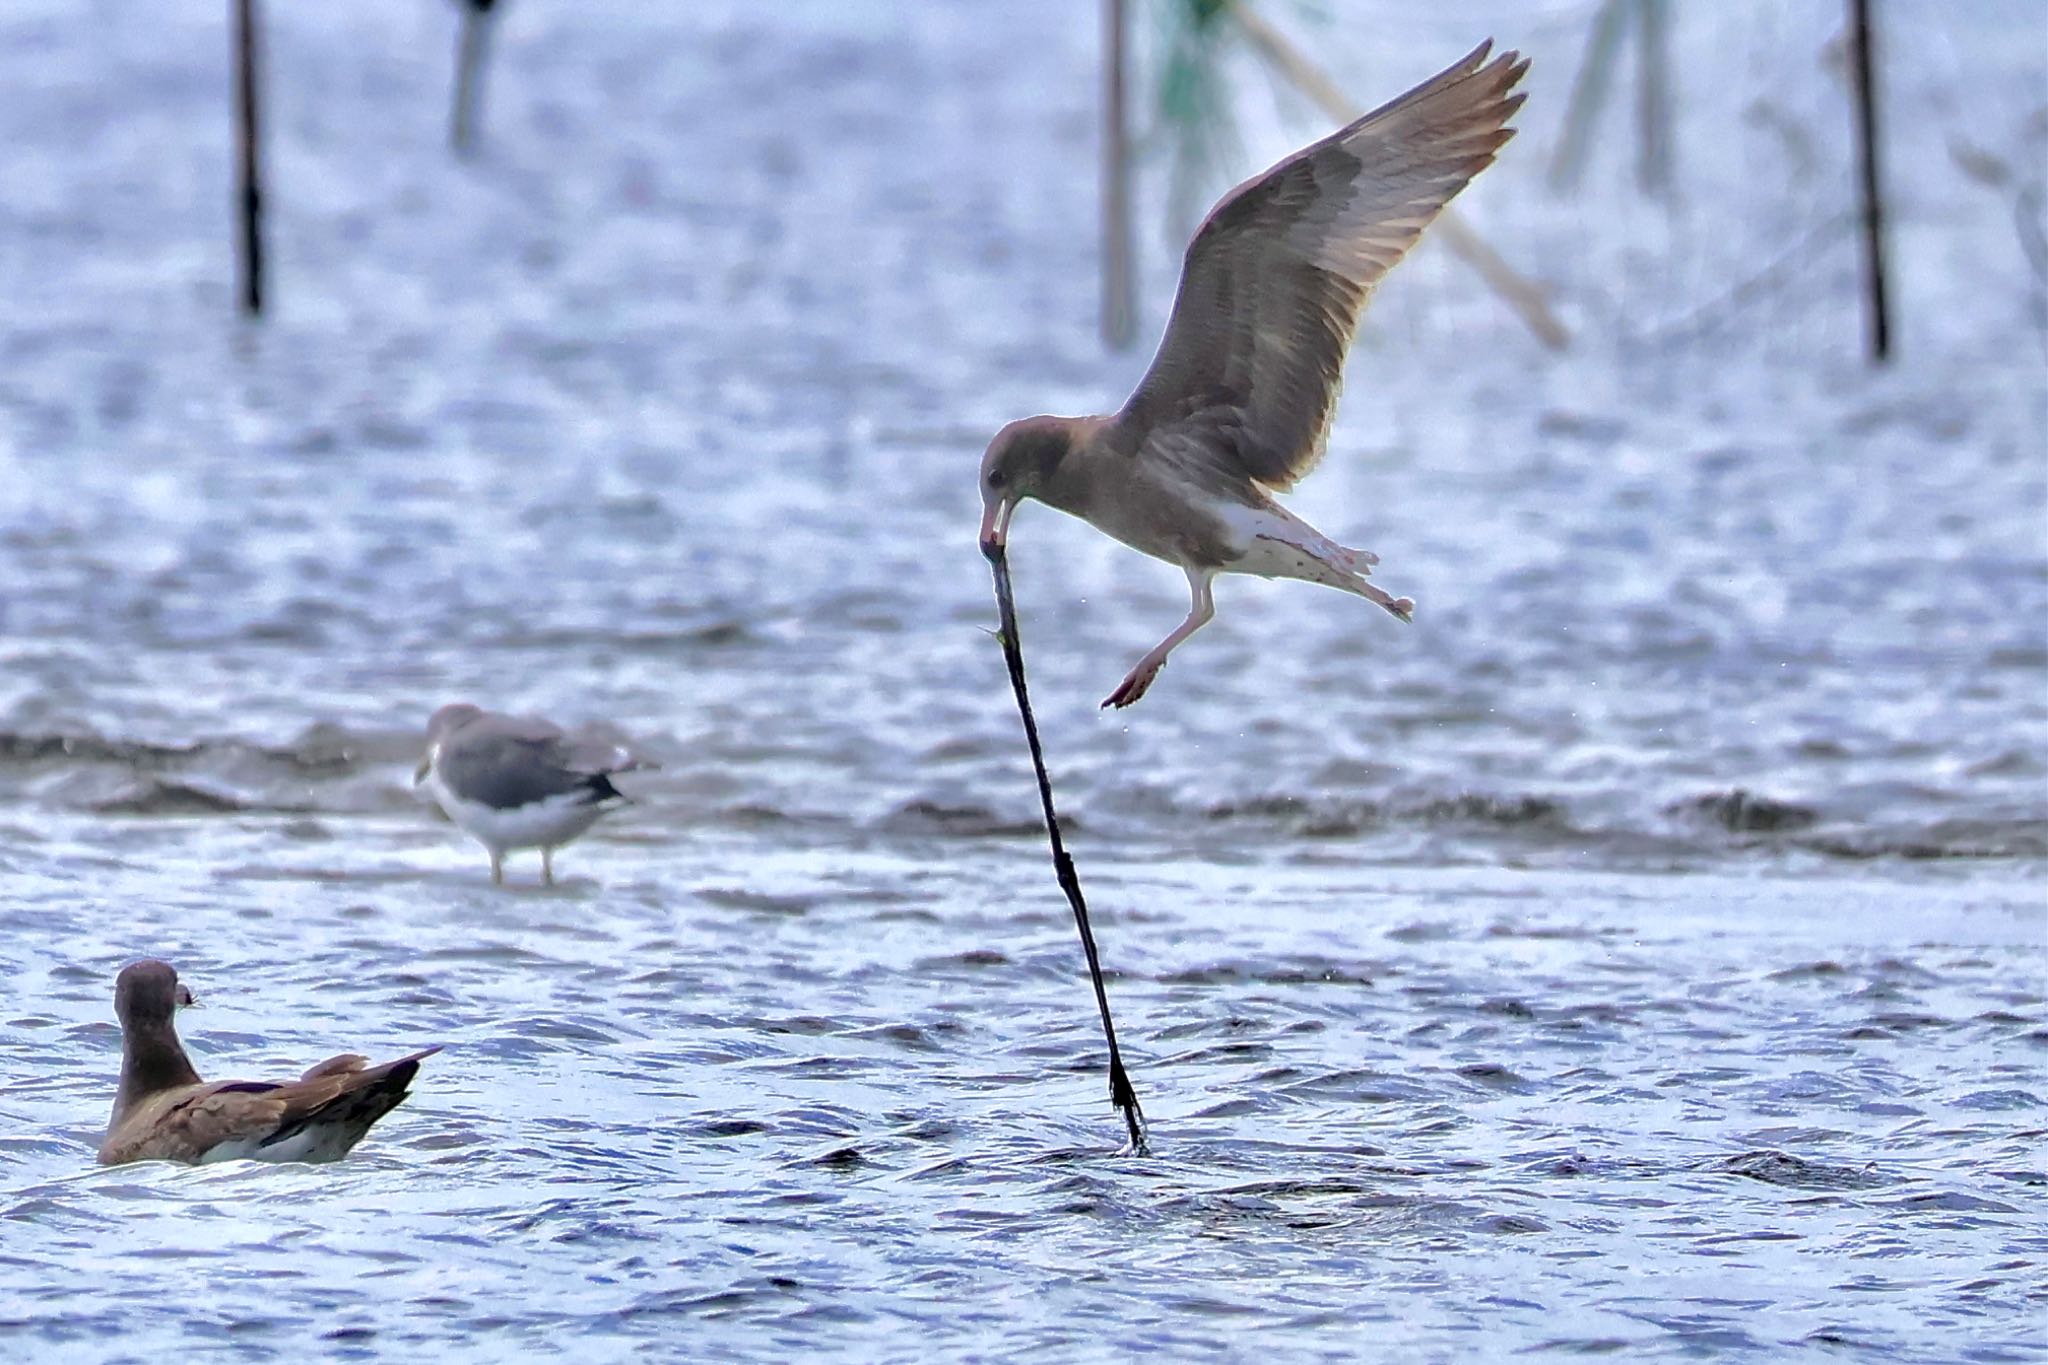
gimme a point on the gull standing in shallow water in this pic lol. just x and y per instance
(1239, 397)
(164, 1112)
(517, 782)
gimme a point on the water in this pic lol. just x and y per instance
(1642, 953)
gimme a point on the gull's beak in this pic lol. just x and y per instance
(995, 525)
(419, 774)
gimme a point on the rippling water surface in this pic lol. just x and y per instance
(1644, 952)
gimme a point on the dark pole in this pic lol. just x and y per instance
(469, 74)
(1862, 74)
(1117, 304)
(249, 172)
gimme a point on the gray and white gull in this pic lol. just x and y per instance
(513, 782)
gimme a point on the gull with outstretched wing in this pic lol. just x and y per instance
(1238, 401)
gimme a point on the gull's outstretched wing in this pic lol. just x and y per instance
(1275, 280)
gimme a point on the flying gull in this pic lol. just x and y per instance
(1238, 401)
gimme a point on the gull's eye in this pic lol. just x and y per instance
(995, 478)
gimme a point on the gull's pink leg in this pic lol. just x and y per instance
(1199, 613)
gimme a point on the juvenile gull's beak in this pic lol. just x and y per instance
(995, 525)
(419, 774)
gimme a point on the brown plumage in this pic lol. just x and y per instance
(164, 1112)
(1239, 397)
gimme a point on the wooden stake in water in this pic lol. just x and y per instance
(1121, 1093)
(249, 166)
(470, 51)
(1870, 182)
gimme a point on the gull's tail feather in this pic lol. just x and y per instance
(1284, 546)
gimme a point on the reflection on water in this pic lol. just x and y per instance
(1641, 952)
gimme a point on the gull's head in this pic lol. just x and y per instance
(149, 991)
(1020, 462)
(440, 725)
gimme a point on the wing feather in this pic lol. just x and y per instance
(186, 1123)
(1276, 278)
(510, 761)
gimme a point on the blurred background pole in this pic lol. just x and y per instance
(1589, 92)
(1653, 97)
(471, 48)
(1652, 22)
(1863, 79)
(1118, 306)
(249, 169)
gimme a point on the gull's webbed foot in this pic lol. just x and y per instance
(1133, 686)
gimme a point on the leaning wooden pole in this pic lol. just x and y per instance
(1870, 180)
(1118, 251)
(249, 160)
(1515, 289)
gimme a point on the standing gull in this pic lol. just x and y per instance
(164, 1112)
(1238, 401)
(518, 782)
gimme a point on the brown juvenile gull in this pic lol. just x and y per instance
(1237, 403)
(517, 781)
(164, 1112)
